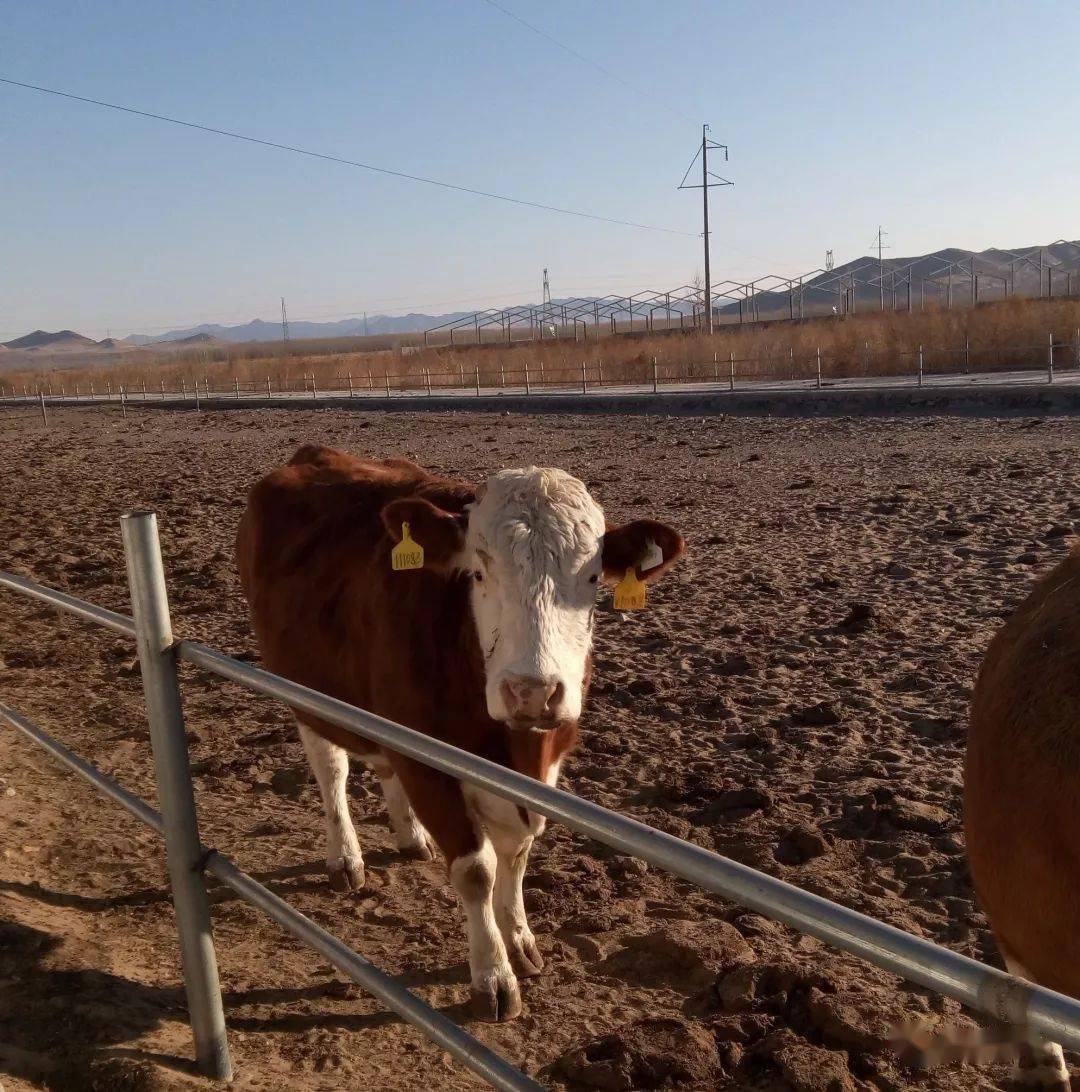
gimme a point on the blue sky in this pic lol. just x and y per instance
(950, 124)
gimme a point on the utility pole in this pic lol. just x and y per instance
(881, 265)
(284, 329)
(546, 306)
(705, 226)
(706, 146)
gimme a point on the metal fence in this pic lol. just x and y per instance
(984, 988)
(780, 365)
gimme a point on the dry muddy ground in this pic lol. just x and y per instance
(795, 696)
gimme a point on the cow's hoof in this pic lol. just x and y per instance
(420, 850)
(526, 957)
(497, 1000)
(346, 873)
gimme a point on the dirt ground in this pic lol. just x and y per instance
(795, 696)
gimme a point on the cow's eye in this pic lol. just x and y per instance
(478, 576)
(593, 578)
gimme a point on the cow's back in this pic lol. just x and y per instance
(314, 562)
(1022, 782)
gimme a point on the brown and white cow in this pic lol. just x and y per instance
(487, 648)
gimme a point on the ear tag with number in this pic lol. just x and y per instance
(407, 554)
(630, 592)
(652, 557)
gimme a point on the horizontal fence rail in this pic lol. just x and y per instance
(440, 1029)
(1005, 998)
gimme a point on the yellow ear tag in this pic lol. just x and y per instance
(630, 592)
(407, 554)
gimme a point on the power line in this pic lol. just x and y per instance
(581, 57)
(341, 160)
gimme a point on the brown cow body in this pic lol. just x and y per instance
(1021, 789)
(314, 554)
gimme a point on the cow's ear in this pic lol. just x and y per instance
(631, 545)
(441, 533)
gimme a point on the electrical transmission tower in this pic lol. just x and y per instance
(829, 260)
(881, 245)
(546, 312)
(708, 181)
(284, 327)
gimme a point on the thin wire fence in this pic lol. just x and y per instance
(1056, 356)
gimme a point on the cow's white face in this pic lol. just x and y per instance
(533, 547)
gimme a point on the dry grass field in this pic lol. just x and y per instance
(795, 696)
(1006, 334)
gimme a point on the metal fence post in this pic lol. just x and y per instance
(44, 415)
(528, 391)
(313, 392)
(123, 401)
(386, 376)
(1078, 347)
(162, 390)
(269, 393)
(350, 384)
(731, 379)
(478, 380)
(584, 379)
(654, 375)
(161, 687)
(920, 366)
(198, 407)
(819, 369)
(1050, 360)
(236, 386)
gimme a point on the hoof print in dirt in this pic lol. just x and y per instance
(860, 617)
(808, 1068)
(821, 715)
(290, 781)
(658, 1053)
(684, 956)
(800, 844)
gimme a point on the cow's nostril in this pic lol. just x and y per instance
(531, 697)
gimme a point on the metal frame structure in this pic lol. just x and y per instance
(1004, 997)
(745, 301)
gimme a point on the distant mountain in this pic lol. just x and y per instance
(1022, 269)
(59, 341)
(262, 330)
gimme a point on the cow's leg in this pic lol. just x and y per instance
(1040, 1064)
(441, 806)
(512, 853)
(330, 764)
(409, 832)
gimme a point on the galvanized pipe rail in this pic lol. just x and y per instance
(1008, 999)
(440, 1029)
